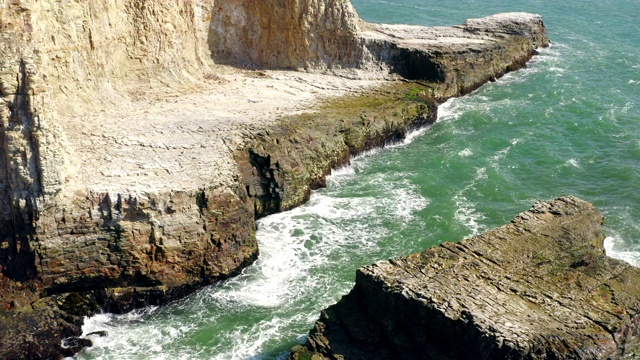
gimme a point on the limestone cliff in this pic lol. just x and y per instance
(540, 287)
(133, 165)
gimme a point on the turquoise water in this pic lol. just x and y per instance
(568, 124)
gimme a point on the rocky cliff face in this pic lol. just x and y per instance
(106, 194)
(64, 58)
(540, 287)
(307, 34)
(458, 58)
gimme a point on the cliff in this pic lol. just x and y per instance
(308, 34)
(133, 165)
(540, 287)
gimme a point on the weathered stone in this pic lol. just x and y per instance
(307, 34)
(540, 287)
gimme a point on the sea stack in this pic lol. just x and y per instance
(540, 287)
(133, 164)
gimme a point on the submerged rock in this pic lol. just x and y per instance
(100, 333)
(540, 287)
(75, 344)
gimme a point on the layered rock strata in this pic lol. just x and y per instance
(540, 287)
(133, 167)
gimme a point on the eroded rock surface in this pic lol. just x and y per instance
(133, 165)
(303, 33)
(540, 287)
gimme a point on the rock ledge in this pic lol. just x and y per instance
(540, 287)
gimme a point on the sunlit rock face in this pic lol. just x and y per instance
(298, 34)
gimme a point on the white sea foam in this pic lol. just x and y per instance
(519, 76)
(450, 109)
(129, 337)
(289, 251)
(414, 134)
(500, 154)
(367, 153)
(466, 212)
(559, 71)
(465, 153)
(612, 246)
(411, 137)
(250, 341)
(410, 203)
(346, 170)
(573, 162)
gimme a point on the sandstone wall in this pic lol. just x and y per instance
(68, 57)
(61, 58)
(298, 34)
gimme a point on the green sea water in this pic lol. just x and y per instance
(567, 124)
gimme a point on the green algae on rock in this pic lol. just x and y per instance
(281, 167)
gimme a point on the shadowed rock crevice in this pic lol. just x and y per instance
(20, 178)
(266, 190)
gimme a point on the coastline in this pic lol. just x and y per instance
(538, 287)
(277, 167)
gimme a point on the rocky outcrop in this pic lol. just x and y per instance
(109, 193)
(459, 58)
(321, 35)
(281, 166)
(540, 287)
(280, 170)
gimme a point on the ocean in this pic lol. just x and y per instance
(568, 124)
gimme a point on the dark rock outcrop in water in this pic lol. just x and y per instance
(540, 287)
(146, 227)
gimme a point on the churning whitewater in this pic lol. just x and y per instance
(300, 253)
(568, 124)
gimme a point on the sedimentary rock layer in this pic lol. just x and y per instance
(286, 34)
(540, 287)
(133, 167)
